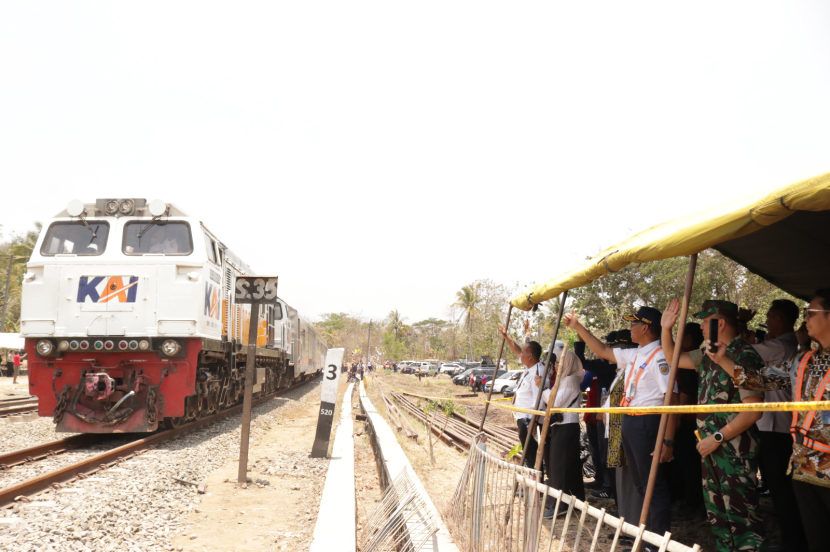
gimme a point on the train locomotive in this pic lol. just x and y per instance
(129, 321)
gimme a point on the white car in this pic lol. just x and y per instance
(506, 380)
(449, 368)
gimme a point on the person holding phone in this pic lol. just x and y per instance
(730, 440)
(806, 373)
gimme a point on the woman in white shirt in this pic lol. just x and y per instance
(563, 465)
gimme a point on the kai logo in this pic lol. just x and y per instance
(212, 302)
(102, 289)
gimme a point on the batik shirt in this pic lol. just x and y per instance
(716, 387)
(806, 464)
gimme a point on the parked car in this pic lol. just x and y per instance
(509, 391)
(450, 368)
(506, 380)
(482, 371)
(463, 378)
(431, 370)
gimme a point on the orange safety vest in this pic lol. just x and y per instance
(800, 433)
(627, 400)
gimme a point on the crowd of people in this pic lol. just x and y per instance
(14, 361)
(709, 461)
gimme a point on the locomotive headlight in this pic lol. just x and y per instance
(74, 345)
(45, 347)
(112, 207)
(63, 345)
(126, 207)
(84, 345)
(170, 347)
(143, 344)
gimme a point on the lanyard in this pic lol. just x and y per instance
(628, 398)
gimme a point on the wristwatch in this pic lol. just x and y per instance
(669, 442)
(718, 437)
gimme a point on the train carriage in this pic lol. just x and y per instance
(129, 321)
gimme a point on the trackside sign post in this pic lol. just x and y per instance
(254, 291)
(331, 380)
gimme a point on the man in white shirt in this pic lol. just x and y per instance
(527, 390)
(646, 382)
(781, 344)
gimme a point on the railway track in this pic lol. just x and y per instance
(99, 462)
(12, 408)
(459, 430)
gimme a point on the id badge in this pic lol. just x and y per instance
(632, 389)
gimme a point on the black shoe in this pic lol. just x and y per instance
(601, 494)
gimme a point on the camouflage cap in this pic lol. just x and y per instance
(716, 306)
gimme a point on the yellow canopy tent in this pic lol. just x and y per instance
(782, 235)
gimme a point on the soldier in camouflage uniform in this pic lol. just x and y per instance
(807, 375)
(730, 446)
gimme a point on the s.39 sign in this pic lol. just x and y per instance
(261, 290)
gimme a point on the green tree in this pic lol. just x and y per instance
(395, 322)
(468, 300)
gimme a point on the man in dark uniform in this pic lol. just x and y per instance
(731, 439)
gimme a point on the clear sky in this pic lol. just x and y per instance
(380, 155)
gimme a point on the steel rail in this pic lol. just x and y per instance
(8, 411)
(84, 468)
(47, 449)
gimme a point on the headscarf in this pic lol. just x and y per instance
(571, 365)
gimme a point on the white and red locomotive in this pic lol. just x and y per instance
(129, 321)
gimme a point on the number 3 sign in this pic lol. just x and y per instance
(261, 290)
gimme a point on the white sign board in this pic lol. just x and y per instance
(331, 381)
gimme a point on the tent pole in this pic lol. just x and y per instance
(675, 360)
(532, 425)
(496, 371)
(540, 453)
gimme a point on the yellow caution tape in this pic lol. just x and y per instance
(678, 409)
(686, 409)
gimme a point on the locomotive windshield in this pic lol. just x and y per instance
(168, 238)
(75, 238)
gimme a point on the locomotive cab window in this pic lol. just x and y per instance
(168, 238)
(75, 238)
(211, 248)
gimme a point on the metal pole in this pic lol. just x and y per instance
(6, 296)
(496, 371)
(675, 360)
(368, 344)
(532, 425)
(249, 393)
(540, 453)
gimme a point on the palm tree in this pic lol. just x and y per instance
(395, 322)
(468, 300)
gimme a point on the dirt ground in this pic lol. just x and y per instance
(278, 516)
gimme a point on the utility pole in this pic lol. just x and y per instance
(368, 344)
(6, 296)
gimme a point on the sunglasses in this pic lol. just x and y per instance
(809, 313)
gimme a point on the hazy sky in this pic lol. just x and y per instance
(380, 155)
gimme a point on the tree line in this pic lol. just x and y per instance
(16, 248)
(469, 328)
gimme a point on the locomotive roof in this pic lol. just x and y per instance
(93, 210)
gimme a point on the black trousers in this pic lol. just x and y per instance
(814, 504)
(775, 452)
(687, 466)
(593, 448)
(564, 466)
(639, 435)
(609, 483)
(529, 455)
